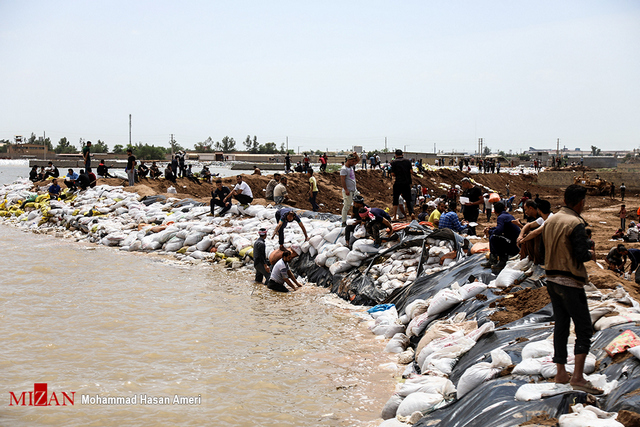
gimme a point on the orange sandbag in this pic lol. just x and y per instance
(480, 247)
(494, 197)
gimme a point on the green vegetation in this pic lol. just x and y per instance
(65, 147)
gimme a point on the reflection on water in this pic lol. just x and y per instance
(104, 322)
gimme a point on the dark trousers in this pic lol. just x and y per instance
(218, 202)
(243, 199)
(623, 223)
(569, 303)
(281, 230)
(502, 247)
(260, 272)
(403, 190)
(313, 202)
(470, 213)
(278, 287)
(71, 185)
(373, 229)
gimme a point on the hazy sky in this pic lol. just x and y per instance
(327, 74)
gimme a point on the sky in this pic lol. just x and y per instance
(324, 75)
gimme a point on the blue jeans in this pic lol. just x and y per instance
(131, 174)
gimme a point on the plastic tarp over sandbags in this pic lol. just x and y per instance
(482, 372)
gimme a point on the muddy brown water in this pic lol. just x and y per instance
(96, 321)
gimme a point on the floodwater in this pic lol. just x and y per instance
(96, 321)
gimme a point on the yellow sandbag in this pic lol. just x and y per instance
(182, 250)
(246, 251)
(40, 197)
(30, 205)
(75, 212)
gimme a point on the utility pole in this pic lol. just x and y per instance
(172, 143)
(558, 148)
(44, 142)
(129, 129)
(287, 145)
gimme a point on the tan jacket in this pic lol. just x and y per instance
(566, 248)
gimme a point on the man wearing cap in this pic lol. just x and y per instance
(401, 169)
(260, 262)
(348, 183)
(375, 219)
(470, 209)
(283, 217)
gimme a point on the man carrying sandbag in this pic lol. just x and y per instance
(281, 275)
(566, 251)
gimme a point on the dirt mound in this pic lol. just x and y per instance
(519, 304)
(628, 418)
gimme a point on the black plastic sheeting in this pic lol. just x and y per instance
(493, 404)
(149, 200)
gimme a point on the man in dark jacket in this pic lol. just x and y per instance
(471, 207)
(260, 261)
(218, 198)
(502, 239)
(566, 251)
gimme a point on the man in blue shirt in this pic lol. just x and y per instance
(502, 239)
(375, 219)
(54, 189)
(70, 182)
(450, 220)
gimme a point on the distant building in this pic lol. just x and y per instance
(28, 150)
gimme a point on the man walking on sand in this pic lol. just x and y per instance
(566, 251)
(348, 183)
(401, 169)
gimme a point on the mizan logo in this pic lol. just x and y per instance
(40, 397)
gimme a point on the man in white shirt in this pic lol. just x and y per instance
(530, 235)
(241, 192)
(281, 274)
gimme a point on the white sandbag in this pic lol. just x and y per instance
(391, 407)
(365, 246)
(635, 351)
(173, 244)
(397, 344)
(394, 422)
(528, 367)
(340, 267)
(443, 301)
(305, 247)
(419, 401)
(483, 371)
(470, 290)
(315, 241)
(537, 349)
(607, 322)
(416, 308)
(333, 235)
(313, 251)
(451, 346)
(135, 246)
(321, 259)
(204, 244)
(506, 277)
(589, 416)
(387, 330)
(388, 312)
(172, 190)
(329, 261)
(193, 238)
(427, 384)
(538, 391)
(341, 253)
(419, 324)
